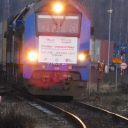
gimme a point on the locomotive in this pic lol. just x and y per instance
(48, 47)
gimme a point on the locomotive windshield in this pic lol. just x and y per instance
(68, 25)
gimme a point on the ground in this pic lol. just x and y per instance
(113, 100)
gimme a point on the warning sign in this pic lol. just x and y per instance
(123, 65)
(117, 60)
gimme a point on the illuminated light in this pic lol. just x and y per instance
(32, 56)
(58, 7)
(82, 57)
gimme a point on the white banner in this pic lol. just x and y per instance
(54, 49)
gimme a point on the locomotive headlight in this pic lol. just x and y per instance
(58, 7)
(32, 56)
(82, 57)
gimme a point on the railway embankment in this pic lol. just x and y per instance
(108, 98)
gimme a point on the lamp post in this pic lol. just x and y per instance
(109, 36)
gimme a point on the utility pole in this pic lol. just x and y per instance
(109, 34)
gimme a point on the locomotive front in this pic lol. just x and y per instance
(55, 49)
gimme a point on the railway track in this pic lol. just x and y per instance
(40, 116)
(63, 118)
(52, 116)
(69, 117)
(80, 113)
(95, 117)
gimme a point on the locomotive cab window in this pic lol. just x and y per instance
(66, 25)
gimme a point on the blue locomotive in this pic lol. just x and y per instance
(48, 48)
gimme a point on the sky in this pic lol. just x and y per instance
(116, 25)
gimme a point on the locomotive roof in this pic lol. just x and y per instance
(74, 6)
